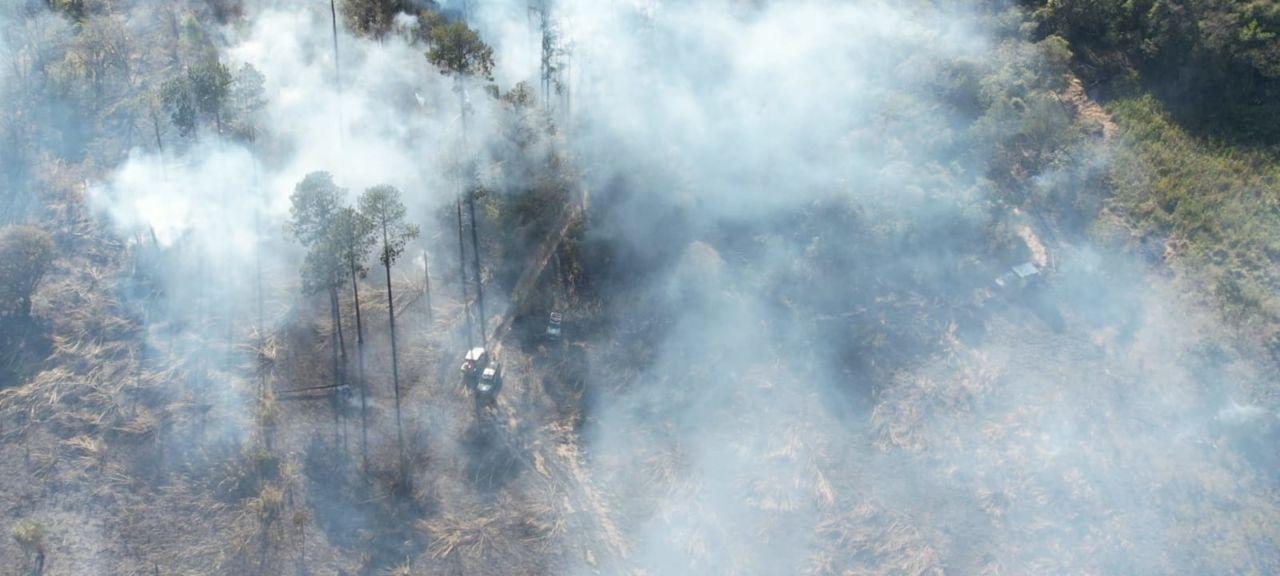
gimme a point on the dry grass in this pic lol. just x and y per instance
(864, 539)
(505, 536)
(29, 534)
(92, 374)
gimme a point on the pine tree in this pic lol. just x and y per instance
(315, 207)
(382, 206)
(353, 238)
(458, 51)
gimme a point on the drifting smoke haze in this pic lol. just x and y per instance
(806, 366)
(217, 207)
(1070, 436)
(371, 132)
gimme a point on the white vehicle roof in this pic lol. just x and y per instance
(475, 354)
(1026, 269)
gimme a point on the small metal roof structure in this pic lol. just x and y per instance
(1026, 269)
(475, 354)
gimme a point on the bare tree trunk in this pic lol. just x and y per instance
(548, 53)
(381, 20)
(337, 369)
(342, 365)
(262, 334)
(337, 69)
(395, 361)
(155, 126)
(462, 273)
(364, 386)
(462, 186)
(426, 284)
(342, 341)
(475, 268)
(175, 55)
(229, 350)
(302, 550)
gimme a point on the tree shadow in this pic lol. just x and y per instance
(378, 516)
(493, 457)
(336, 500)
(24, 344)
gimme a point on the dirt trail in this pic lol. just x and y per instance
(1035, 230)
(552, 453)
(1039, 254)
(571, 215)
(1088, 109)
(557, 459)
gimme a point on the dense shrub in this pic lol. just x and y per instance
(25, 255)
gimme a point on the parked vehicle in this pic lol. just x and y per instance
(476, 359)
(490, 380)
(554, 326)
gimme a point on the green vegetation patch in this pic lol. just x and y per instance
(1218, 205)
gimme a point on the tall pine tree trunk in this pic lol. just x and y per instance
(337, 68)
(342, 340)
(475, 269)
(155, 126)
(337, 367)
(426, 285)
(462, 273)
(262, 334)
(364, 386)
(342, 364)
(462, 186)
(395, 360)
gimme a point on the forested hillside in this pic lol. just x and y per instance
(1216, 64)
(1194, 89)
(615, 287)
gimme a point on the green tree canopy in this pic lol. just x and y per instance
(210, 85)
(200, 92)
(457, 50)
(1215, 64)
(323, 269)
(371, 17)
(382, 206)
(176, 96)
(316, 202)
(353, 238)
(246, 100)
(313, 205)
